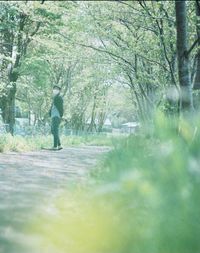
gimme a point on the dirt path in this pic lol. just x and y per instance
(26, 178)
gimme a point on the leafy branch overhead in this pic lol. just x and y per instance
(93, 48)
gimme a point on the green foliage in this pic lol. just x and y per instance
(91, 49)
(144, 197)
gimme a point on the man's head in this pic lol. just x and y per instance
(56, 90)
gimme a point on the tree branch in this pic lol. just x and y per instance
(100, 50)
(192, 47)
(198, 5)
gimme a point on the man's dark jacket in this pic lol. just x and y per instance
(58, 102)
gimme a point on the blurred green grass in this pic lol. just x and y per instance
(142, 198)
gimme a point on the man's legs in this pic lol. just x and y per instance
(55, 131)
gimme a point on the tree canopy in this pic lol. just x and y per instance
(93, 49)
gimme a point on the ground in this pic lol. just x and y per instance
(28, 178)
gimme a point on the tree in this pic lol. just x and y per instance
(14, 22)
(196, 78)
(21, 22)
(186, 101)
(90, 47)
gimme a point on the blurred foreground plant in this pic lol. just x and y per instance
(144, 197)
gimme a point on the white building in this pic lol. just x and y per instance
(130, 127)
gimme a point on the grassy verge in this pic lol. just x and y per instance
(19, 143)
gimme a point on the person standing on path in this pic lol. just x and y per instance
(56, 113)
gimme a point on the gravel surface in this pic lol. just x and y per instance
(28, 178)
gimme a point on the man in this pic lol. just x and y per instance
(56, 113)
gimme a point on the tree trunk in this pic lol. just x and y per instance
(16, 49)
(8, 106)
(196, 80)
(93, 116)
(186, 103)
(10, 109)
